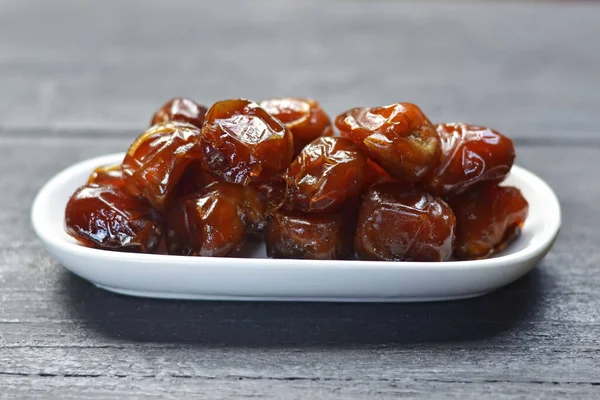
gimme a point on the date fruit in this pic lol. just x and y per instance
(398, 136)
(180, 109)
(488, 218)
(309, 236)
(402, 223)
(214, 222)
(470, 155)
(108, 217)
(305, 119)
(108, 175)
(275, 193)
(156, 161)
(327, 174)
(242, 143)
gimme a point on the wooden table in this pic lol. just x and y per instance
(80, 80)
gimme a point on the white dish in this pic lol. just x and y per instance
(252, 276)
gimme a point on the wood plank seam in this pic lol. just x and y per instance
(298, 378)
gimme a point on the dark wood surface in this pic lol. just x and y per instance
(80, 79)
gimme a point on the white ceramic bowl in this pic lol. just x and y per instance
(251, 276)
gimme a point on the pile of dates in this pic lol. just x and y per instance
(391, 186)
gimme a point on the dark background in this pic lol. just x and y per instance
(80, 79)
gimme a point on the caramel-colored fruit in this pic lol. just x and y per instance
(309, 236)
(275, 193)
(242, 143)
(305, 119)
(400, 223)
(156, 161)
(180, 109)
(215, 221)
(327, 174)
(488, 218)
(470, 155)
(108, 175)
(399, 137)
(110, 218)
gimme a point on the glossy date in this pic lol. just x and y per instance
(242, 143)
(215, 221)
(488, 218)
(110, 218)
(470, 155)
(392, 187)
(326, 175)
(398, 136)
(305, 119)
(180, 109)
(309, 236)
(399, 223)
(108, 175)
(156, 161)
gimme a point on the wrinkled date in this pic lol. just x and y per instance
(108, 175)
(309, 236)
(398, 136)
(156, 161)
(488, 218)
(470, 155)
(202, 182)
(242, 143)
(305, 119)
(328, 173)
(180, 109)
(110, 218)
(215, 221)
(397, 223)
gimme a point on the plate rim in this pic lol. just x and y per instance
(546, 238)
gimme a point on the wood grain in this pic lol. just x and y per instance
(79, 80)
(529, 70)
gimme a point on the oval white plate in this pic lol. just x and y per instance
(252, 276)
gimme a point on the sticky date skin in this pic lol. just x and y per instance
(398, 136)
(305, 119)
(108, 175)
(156, 161)
(309, 236)
(180, 109)
(470, 155)
(275, 193)
(326, 175)
(215, 221)
(488, 218)
(242, 143)
(108, 217)
(400, 223)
